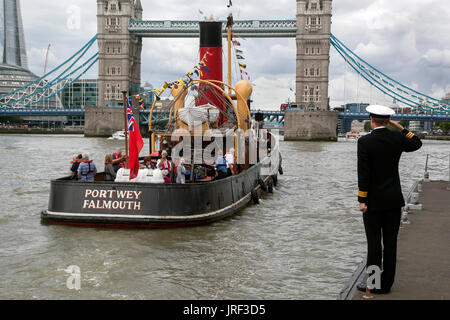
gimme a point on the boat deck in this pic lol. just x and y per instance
(423, 255)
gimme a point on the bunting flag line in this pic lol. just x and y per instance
(198, 71)
(141, 102)
(206, 69)
(240, 56)
(242, 72)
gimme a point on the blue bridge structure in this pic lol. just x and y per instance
(270, 117)
(24, 101)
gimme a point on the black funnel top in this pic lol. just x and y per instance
(210, 34)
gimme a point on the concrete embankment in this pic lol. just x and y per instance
(39, 131)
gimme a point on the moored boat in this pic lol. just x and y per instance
(118, 135)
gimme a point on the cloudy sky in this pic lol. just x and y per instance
(406, 39)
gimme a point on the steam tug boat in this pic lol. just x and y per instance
(205, 117)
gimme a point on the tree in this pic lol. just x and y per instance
(404, 123)
(445, 126)
(367, 126)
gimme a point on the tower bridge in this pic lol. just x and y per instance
(120, 34)
(190, 28)
(276, 118)
(121, 29)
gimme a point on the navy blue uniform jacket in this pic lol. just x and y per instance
(378, 157)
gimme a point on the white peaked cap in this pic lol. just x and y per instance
(381, 111)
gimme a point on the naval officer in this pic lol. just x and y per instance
(379, 192)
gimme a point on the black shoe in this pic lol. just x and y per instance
(362, 287)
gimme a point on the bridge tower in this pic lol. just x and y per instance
(315, 122)
(313, 52)
(119, 66)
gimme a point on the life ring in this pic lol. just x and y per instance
(255, 196)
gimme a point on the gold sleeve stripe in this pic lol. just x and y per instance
(362, 194)
(410, 135)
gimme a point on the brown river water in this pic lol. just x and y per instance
(301, 242)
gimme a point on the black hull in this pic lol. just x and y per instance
(139, 205)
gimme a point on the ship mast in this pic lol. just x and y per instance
(230, 23)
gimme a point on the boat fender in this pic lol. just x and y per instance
(280, 168)
(255, 196)
(275, 180)
(262, 184)
(270, 185)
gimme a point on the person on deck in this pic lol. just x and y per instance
(221, 167)
(86, 170)
(110, 173)
(148, 163)
(229, 157)
(75, 164)
(118, 160)
(165, 166)
(181, 172)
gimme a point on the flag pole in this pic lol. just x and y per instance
(124, 93)
(229, 52)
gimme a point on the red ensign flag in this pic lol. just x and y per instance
(135, 143)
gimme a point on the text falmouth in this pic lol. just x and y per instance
(115, 199)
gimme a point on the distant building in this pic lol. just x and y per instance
(399, 109)
(345, 126)
(14, 72)
(82, 93)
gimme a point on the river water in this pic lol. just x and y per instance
(302, 242)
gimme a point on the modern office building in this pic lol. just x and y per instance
(82, 93)
(14, 72)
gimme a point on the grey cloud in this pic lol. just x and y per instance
(397, 36)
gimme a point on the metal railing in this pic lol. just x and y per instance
(417, 186)
(433, 167)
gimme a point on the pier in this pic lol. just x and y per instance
(423, 253)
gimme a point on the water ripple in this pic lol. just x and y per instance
(301, 242)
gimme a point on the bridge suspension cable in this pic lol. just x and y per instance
(41, 89)
(387, 85)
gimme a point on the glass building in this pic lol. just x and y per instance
(14, 73)
(12, 39)
(82, 93)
